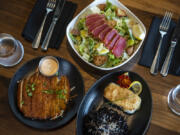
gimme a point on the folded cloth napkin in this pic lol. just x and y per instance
(151, 45)
(36, 17)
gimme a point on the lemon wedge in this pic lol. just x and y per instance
(136, 87)
(138, 32)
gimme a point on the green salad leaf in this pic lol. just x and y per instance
(81, 24)
(73, 38)
(112, 60)
(110, 6)
(110, 14)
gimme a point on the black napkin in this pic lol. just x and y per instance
(151, 45)
(36, 17)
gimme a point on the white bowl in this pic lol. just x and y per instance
(73, 23)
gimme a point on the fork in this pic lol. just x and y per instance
(49, 8)
(163, 28)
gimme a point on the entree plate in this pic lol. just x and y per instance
(85, 12)
(138, 122)
(75, 80)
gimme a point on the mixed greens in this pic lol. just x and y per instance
(89, 47)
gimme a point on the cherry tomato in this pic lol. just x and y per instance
(124, 81)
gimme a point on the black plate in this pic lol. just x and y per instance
(137, 122)
(75, 79)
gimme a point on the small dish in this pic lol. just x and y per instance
(85, 11)
(48, 66)
(138, 122)
(13, 52)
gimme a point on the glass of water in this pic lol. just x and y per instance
(7, 45)
(174, 99)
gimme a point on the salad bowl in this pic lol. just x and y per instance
(89, 10)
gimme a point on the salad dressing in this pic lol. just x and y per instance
(49, 67)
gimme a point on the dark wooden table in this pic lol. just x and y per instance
(13, 16)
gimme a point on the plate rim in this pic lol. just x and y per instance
(102, 78)
(21, 117)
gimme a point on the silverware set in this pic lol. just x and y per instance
(163, 28)
(49, 8)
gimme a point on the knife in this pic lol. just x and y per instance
(174, 40)
(56, 16)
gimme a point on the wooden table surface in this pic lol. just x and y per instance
(13, 16)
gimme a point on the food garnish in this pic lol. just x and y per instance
(124, 80)
(136, 87)
(30, 88)
(108, 31)
(138, 32)
(29, 94)
(22, 102)
(48, 91)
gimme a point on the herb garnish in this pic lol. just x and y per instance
(59, 93)
(27, 90)
(22, 102)
(30, 88)
(48, 91)
(44, 84)
(33, 85)
(33, 89)
(30, 94)
(61, 96)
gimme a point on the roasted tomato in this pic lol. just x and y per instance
(124, 80)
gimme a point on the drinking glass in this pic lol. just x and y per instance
(174, 99)
(7, 45)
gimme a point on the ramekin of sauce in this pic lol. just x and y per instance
(48, 66)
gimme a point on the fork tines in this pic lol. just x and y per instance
(166, 21)
(51, 3)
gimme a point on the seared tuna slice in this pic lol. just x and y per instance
(92, 20)
(104, 32)
(109, 36)
(92, 15)
(119, 47)
(96, 24)
(98, 29)
(113, 41)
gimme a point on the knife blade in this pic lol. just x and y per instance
(59, 8)
(176, 32)
(174, 40)
(56, 16)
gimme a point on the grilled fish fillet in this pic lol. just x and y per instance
(38, 96)
(122, 97)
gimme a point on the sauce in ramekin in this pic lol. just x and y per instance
(48, 66)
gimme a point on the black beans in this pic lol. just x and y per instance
(105, 121)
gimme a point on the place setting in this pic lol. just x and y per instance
(47, 92)
(47, 23)
(162, 54)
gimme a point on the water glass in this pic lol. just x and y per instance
(174, 99)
